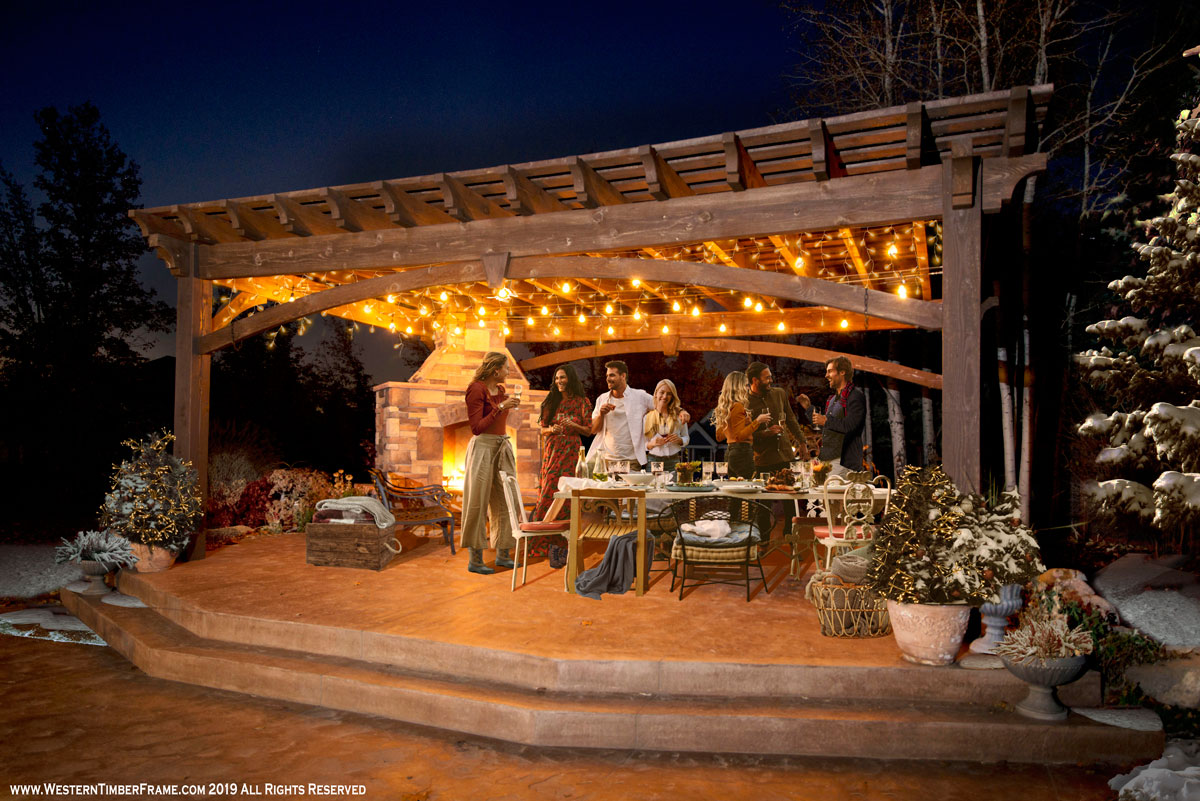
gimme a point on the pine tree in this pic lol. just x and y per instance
(1150, 370)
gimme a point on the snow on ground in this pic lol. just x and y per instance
(1175, 776)
(29, 570)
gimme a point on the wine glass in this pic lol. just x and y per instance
(722, 470)
(798, 471)
(706, 472)
(657, 469)
(621, 467)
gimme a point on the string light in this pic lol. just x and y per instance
(695, 311)
(481, 311)
(845, 323)
(758, 306)
(582, 319)
(723, 328)
(423, 310)
(545, 311)
(666, 329)
(608, 309)
(457, 330)
(747, 302)
(482, 323)
(503, 293)
(892, 250)
(566, 286)
(556, 331)
(637, 282)
(902, 291)
(610, 330)
(391, 298)
(443, 297)
(408, 329)
(675, 306)
(529, 322)
(506, 331)
(781, 326)
(637, 314)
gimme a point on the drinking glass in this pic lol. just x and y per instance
(706, 472)
(764, 478)
(722, 470)
(621, 467)
(657, 469)
(798, 470)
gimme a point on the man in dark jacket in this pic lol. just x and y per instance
(843, 420)
(772, 450)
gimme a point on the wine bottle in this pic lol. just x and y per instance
(581, 466)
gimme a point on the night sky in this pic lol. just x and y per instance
(225, 100)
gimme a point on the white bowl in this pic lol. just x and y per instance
(638, 479)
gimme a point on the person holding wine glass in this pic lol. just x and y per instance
(488, 452)
(666, 434)
(844, 419)
(563, 418)
(734, 425)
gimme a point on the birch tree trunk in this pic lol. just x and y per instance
(930, 434)
(1006, 419)
(896, 421)
(868, 437)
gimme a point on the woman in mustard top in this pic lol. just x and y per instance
(734, 425)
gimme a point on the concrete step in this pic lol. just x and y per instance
(531, 672)
(498, 707)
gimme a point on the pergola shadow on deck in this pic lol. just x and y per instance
(820, 225)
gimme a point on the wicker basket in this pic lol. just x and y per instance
(847, 610)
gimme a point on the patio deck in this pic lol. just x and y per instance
(426, 642)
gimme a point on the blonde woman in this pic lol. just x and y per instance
(666, 433)
(734, 425)
(488, 453)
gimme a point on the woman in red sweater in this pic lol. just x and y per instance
(488, 453)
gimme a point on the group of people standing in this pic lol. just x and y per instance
(755, 418)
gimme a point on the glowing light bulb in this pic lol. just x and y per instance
(482, 323)
(799, 263)
(391, 326)
(747, 302)
(457, 330)
(443, 297)
(902, 291)
(695, 311)
(367, 308)
(556, 331)
(893, 250)
(666, 329)
(781, 326)
(566, 286)
(503, 294)
(423, 311)
(758, 306)
(845, 323)
(391, 298)
(675, 306)
(582, 319)
(723, 328)
(637, 314)
(545, 311)
(637, 282)
(608, 308)
(529, 321)
(408, 329)
(610, 329)
(506, 331)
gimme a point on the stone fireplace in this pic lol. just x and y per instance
(421, 429)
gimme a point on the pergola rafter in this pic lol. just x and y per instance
(816, 219)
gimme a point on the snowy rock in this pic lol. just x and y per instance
(1175, 776)
(47, 618)
(1136, 572)
(1175, 682)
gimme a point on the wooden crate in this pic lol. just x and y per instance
(349, 545)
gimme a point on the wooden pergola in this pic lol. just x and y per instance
(821, 225)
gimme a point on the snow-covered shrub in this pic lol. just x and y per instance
(154, 498)
(1149, 470)
(96, 546)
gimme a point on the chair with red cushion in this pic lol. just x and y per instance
(850, 505)
(522, 529)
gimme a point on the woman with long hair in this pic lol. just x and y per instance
(734, 425)
(666, 434)
(488, 453)
(565, 416)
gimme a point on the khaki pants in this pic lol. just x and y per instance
(487, 455)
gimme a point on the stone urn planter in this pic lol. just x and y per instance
(929, 634)
(94, 573)
(151, 559)
(1043, 676)
(995, 617)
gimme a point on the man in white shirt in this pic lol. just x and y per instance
(618, 416)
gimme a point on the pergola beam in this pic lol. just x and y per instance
(880, 199)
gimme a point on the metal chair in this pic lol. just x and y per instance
(522, 529)
(417, 506)
(724, 562)
(850, 503)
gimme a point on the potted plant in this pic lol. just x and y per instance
(154, 502)
(936, 555)
(97, 553)
(1045, 651)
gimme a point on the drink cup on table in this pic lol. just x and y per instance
(706, 471)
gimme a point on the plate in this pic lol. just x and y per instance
(746, 488)
(683, 488)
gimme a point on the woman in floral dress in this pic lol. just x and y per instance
(565, 415)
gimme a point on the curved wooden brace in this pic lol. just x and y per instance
(276, 316)
(749, 347)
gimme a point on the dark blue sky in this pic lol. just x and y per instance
(231, 99)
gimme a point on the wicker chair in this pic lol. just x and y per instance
(710, 563)
(417, 506)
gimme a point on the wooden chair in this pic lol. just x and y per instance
(522, 529)
(850, 503)
(417, 506)
(723, 563)
(617, 498)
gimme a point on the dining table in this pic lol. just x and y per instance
(807, 503)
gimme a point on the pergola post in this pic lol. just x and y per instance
(962, 278)
(193, 319)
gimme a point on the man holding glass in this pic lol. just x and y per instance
(843, 420)
(769, 404)
(617, 420)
